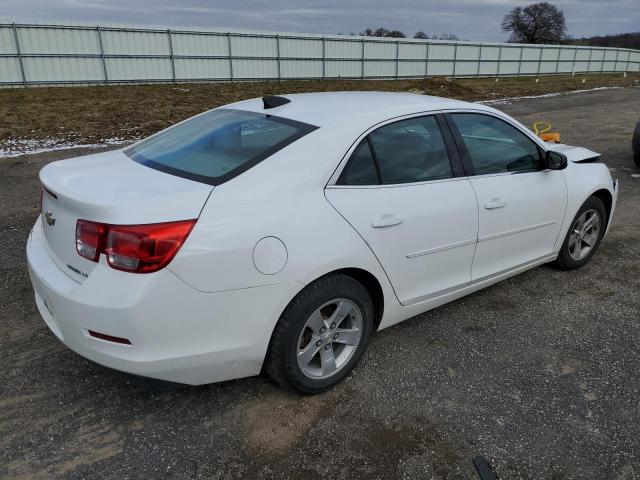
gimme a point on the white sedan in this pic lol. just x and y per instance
(280, 233)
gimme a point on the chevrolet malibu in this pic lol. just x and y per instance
(279, 233)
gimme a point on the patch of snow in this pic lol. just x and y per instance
(17, 147)
(508, 100)
(635, 175)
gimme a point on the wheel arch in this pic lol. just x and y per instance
(373, 287)
(368, 280)
(607, 198)
(601, 193)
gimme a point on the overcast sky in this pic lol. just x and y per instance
(469, 19)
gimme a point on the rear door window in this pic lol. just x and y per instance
(411, 150)
(361, 168)
(407, 151)
(217, 145)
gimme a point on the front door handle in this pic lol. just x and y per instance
(386, 220)
(495, 203)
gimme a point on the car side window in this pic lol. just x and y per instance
(411, 150)
(494, 146)
(407, 151)
(361, 169)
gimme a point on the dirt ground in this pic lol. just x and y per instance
(87, 115)
(539, 373)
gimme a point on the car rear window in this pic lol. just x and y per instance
(217, 145)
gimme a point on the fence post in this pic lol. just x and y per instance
(520, 61)
(230, 56)
(19, 54)
(104, 60)
(426, 63)
(558, 59)
(324, 60)
(589, 61)
(397, 59)
(573, 64)
(455, 60)
(479, 61)
(173, 65)
(362, 60)
(278, 56)
(499, 61)
(539, 63)
(604, 55)
(626, 67)
(615, 65)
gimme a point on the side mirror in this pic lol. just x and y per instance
(555, 161)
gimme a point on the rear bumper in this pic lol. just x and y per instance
(177, 333)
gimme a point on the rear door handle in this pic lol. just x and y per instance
(495, 203)
(386, 220)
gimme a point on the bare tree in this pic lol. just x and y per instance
(536, 23)
(377, 32)
(620, 40)
(382, 32)
(435, 36)
(396, 34)
(444, 36)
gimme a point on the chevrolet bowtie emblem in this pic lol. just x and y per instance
(50, 218)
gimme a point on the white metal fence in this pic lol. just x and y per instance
(38, 54)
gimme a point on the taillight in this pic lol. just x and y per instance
(145, 248)
(89, 239)
(132, 248)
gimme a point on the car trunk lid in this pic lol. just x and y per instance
(109, 188)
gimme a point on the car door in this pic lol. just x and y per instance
(521, 205)
(404, 191)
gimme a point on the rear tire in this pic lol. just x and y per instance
(584, 236)
(321, 335)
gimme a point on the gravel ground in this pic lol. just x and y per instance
(538, 373)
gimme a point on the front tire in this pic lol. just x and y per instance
(584, 235)
(321, 335)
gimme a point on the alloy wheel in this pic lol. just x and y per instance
(585, 233)
(329, 338)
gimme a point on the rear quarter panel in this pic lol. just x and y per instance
(281, 197)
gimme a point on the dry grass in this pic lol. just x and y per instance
(93, 114)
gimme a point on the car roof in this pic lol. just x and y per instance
(328, 108)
